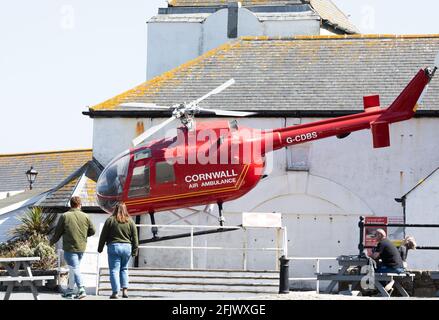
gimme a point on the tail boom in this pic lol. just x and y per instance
(374, 118)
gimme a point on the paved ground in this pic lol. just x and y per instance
(309, 295)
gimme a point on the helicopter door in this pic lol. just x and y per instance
(165, 181)
(140, 185)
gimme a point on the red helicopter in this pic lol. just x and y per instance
(218, 161)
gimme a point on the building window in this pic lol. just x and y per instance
(139, 186)
(298, 157)
(164, 172)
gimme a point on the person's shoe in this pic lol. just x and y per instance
(389, 286)
(114, 296)
(125, 293)
(81, 293)
(68, 294)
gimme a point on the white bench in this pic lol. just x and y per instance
(14, 279)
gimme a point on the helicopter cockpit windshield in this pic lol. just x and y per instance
(111, 182)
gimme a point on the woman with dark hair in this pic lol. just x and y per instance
(120, 235)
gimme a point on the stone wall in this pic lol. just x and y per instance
(425, 284)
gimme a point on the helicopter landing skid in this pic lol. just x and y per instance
(188, 234)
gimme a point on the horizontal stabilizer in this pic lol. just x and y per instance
(371, 103)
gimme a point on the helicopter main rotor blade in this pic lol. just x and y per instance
(143, 105)
(217, 90)
(139, 139)
(228, 113)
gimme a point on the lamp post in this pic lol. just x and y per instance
(31, 175)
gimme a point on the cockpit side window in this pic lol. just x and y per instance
(164, 172)
(140, 182)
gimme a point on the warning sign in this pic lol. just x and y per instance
(369, 232)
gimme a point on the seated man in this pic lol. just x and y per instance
(389, 255)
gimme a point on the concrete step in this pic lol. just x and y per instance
(184, 295)
(198, 286)
(175, 283)
(196, 280)
(180, 273)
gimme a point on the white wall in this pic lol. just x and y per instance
(7, 194)
(171, 44)
(215, 27)
(422, 207)
(90, 259)
(113, 135)
(290, 28)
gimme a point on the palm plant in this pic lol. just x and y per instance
(34, 223)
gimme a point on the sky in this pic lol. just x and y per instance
(58, 57)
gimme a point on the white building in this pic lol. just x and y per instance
(322, 187)
(293, 62)
(187, 29)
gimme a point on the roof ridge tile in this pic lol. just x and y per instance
(43, 152)
(339, 37)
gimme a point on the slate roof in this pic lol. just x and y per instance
(326, 9)
(53, 167)
(304, 73)
(333, 16)
(80, 183)
(25, 197)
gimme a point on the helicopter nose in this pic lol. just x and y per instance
(109, 188)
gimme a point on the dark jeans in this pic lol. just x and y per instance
(386, 269)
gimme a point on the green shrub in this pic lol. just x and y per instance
(34, 222)
(30, 239)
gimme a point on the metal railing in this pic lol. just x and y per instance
(317, 268)
(281, 243)
(96, 272)
(362, 225)
(280, 249)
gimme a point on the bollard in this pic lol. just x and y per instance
(136, 259)
(284, 284)
(361, 244)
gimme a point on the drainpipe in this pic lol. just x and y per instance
(136, 259)
(232, 19)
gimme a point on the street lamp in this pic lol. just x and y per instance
(31, 175)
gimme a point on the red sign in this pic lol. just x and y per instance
(369, 232)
